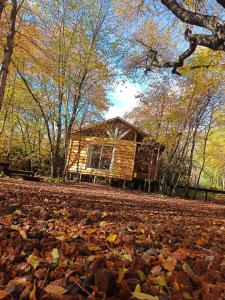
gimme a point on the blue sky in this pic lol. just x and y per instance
(123, 97)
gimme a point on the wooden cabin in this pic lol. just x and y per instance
(114, 149)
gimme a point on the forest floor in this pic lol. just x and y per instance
(85, 241)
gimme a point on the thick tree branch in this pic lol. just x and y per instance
(193, 18)
(221, 2)
(214, 41)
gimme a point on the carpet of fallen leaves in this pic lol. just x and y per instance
(85, 241)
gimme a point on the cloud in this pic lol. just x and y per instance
(123, 96)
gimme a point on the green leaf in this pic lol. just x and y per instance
(126, 256)
(141, 275)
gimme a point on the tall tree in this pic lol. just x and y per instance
(11, 13)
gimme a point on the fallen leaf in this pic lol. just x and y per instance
(55, 253)
(55, 289)
(126, 256)
(122, 273)
(156, 270)
(32, 294)
(111, 238)
(103, 223)
(170, 263)
(141, 275)
(3, 294)
(159, 280)
(18, 212)
(143, 296)
(33, 261)
(187, 296)
(23, 234)
(94, 248)
(138, 288)
(18, 281)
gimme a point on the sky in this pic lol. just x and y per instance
(123, 97)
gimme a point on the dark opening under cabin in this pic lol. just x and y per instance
(114, 149)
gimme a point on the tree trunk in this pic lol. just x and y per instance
(8, 50)
(204, 153)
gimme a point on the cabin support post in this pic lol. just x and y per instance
(124, 184)
(110, 181)
(145, 185)
(94, 179)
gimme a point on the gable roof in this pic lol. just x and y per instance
(140, 131)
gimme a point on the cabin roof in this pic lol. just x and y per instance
(140, 131)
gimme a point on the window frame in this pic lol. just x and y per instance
(90, 153)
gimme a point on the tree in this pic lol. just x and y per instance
(176, 115)
(66, 66)
(204, 26)
(10, 19)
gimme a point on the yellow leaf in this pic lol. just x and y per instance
(15, 227)
(91, 230)
(176, 286)
(32, 294)
(122, 273)
(18, 212)
(61, 238)
(188, 270)
(111, 238)
(91, 258)
(23, 234)
(143, 296)
(55, 289)
(138, 288)
(33, 261)
(159, 280)
(187, 296)
(103, 223)
(94, 248)
(55, 253)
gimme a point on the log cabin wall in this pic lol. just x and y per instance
(123, 157)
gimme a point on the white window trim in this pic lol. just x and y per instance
(90, 149)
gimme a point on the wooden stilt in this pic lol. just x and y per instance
(124, 184)
(145, 184)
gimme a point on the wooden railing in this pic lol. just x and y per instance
(206, 190)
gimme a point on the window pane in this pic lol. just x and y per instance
(95, 157)
(106, 157)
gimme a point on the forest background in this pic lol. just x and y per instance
(60, 60)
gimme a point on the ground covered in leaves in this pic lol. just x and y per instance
(86, 241)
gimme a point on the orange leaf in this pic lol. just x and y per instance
(170, 263)
(3, 294)
(55, 289)
(122, 273)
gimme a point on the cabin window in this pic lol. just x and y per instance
(100, 157)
